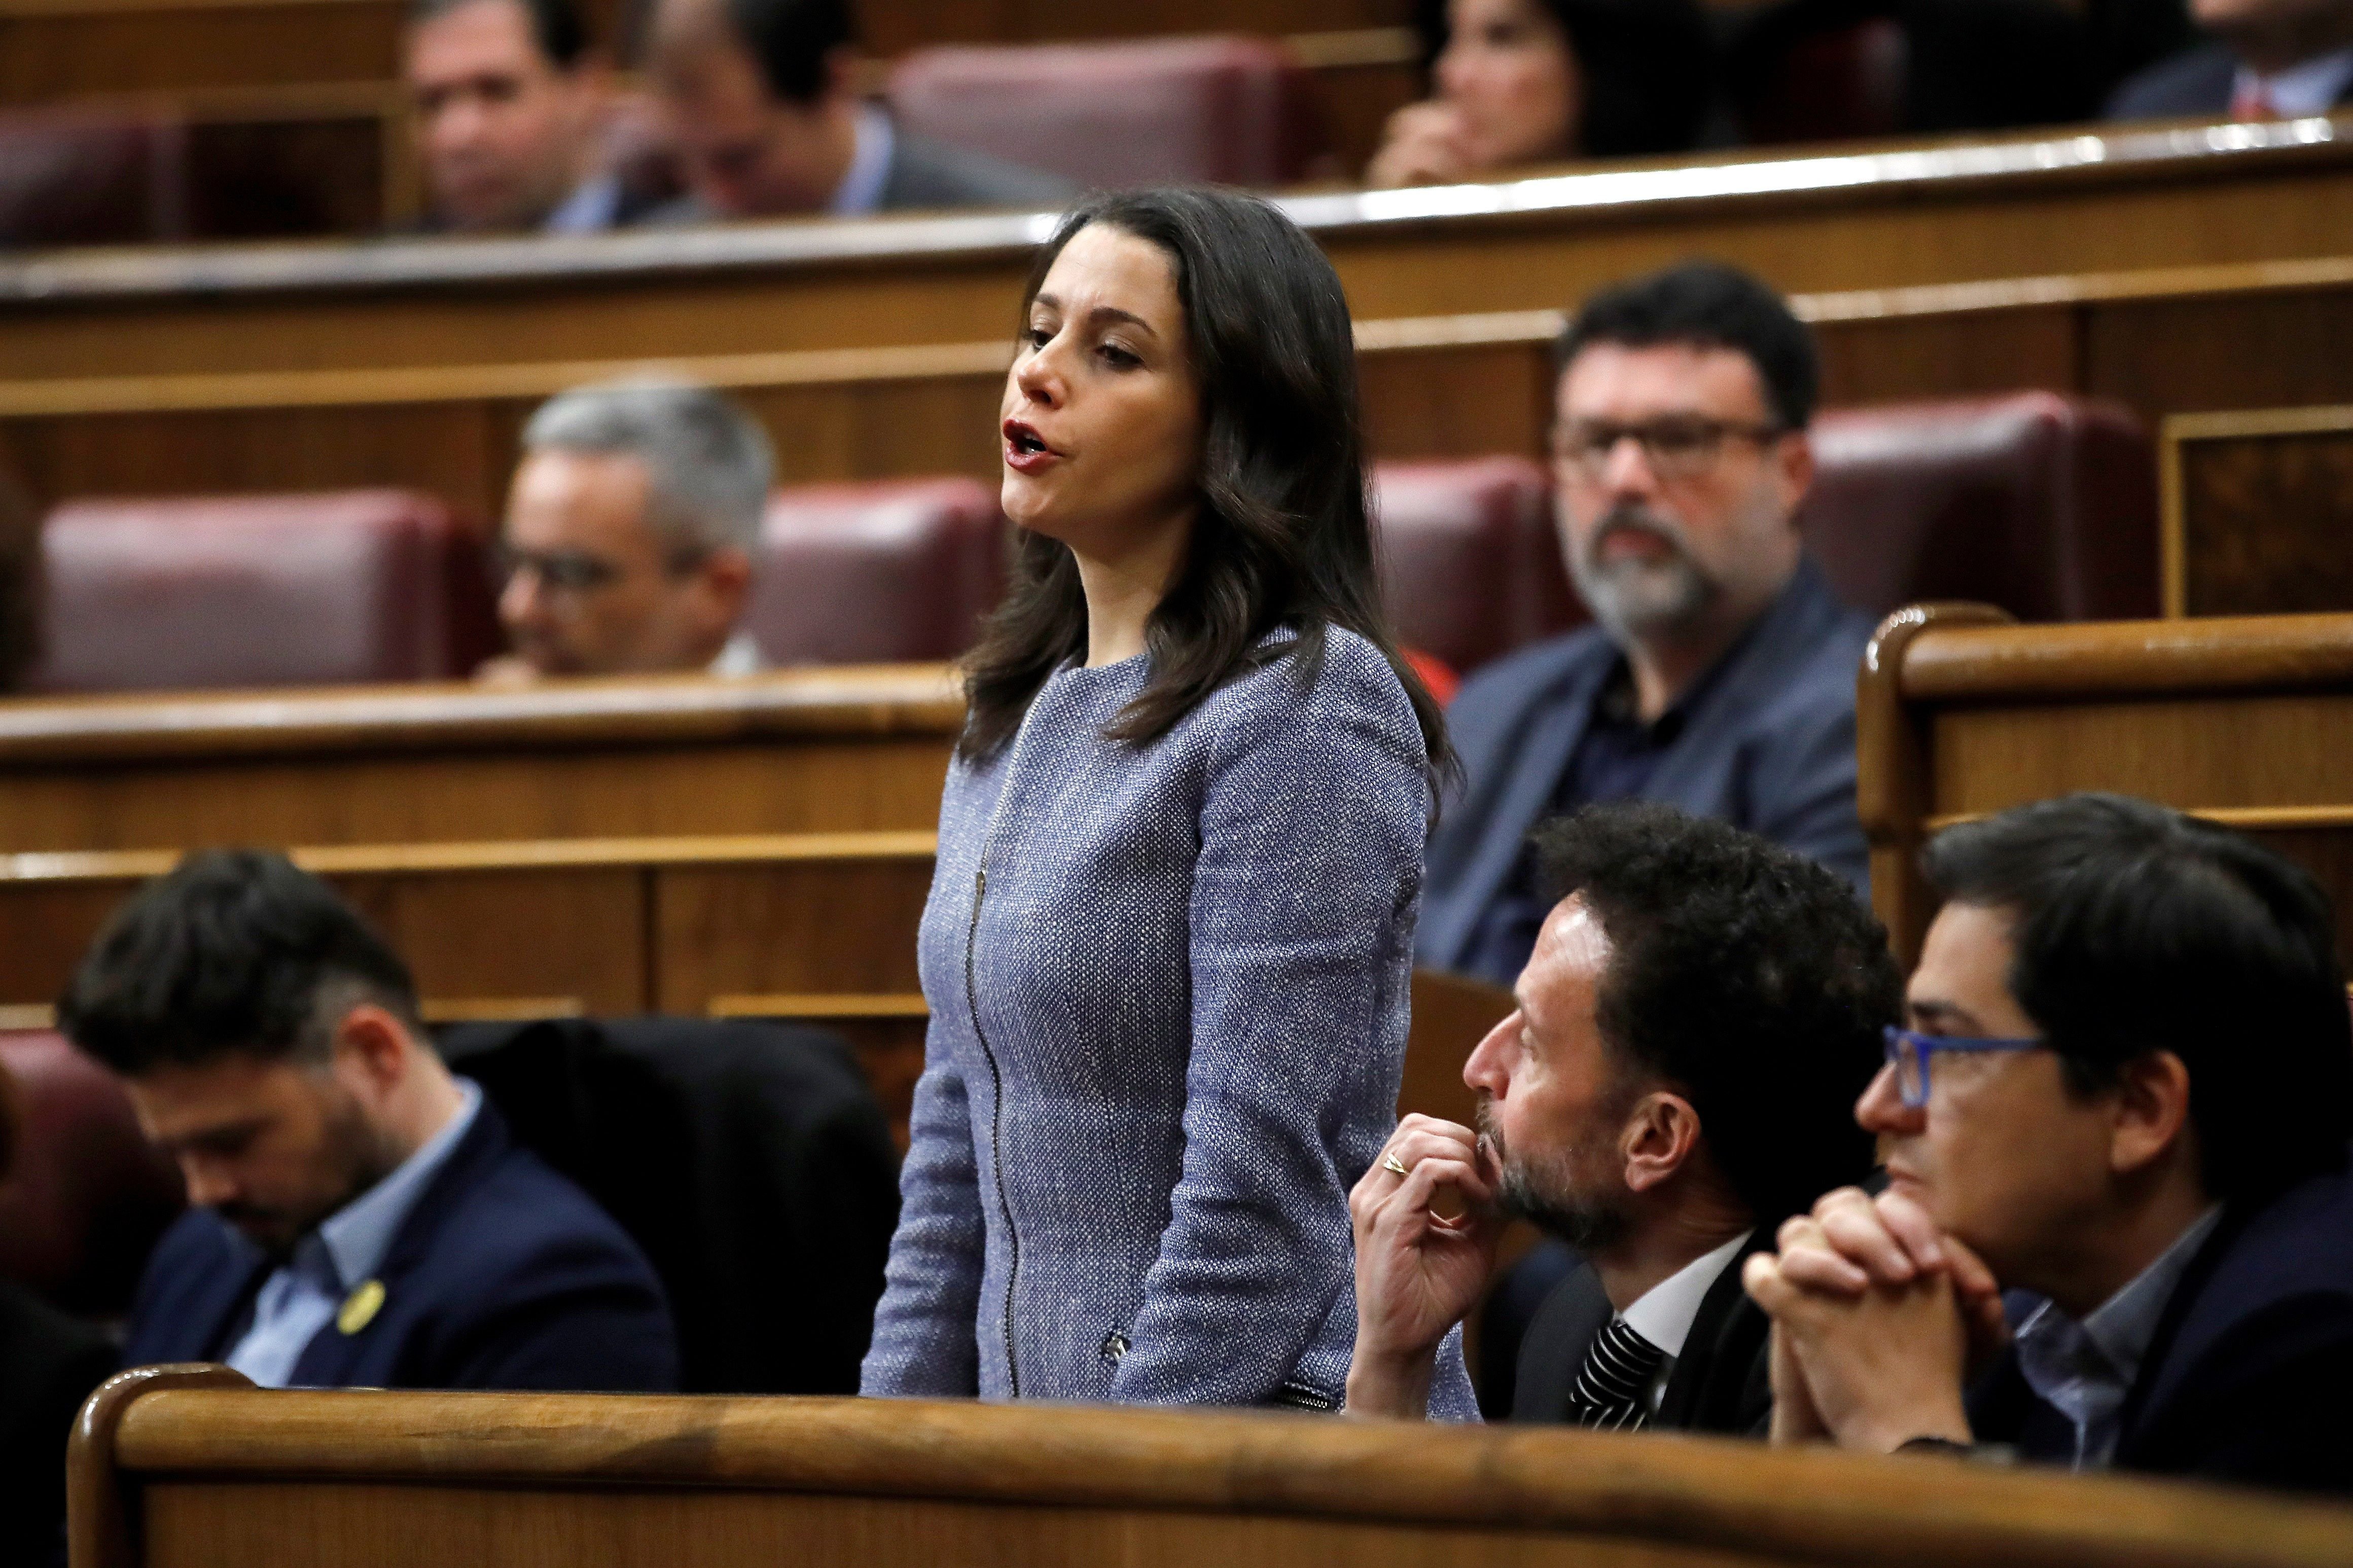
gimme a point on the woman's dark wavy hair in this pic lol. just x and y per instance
(1284, 536)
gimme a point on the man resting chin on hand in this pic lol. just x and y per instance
(2125, 1097)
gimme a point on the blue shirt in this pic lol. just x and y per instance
(301, 1296)
(2085, 1371)
(861, 191)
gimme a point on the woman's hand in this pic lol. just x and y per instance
(1425, 1246)
(1424, 144)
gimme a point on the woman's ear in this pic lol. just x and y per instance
(1660, 1134)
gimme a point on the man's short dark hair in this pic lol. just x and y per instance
(555, 24)
(1746, 976)
(1706, 304)
(2138, 929)
(235, 952)
(791, 40)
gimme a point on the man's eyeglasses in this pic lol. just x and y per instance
(558, 571)
(1908, 1053)
(1679, 448)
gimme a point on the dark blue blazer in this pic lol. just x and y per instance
(1769, 747)
(2196, 81)
(2250, 1375)
(503, 1276)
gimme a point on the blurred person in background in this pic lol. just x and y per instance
(510, 104)
(48, 1365)
(1539, 81)
(2267, 59)
(1718, 673)
(630, 533)
(760, 98)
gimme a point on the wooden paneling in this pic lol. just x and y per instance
(835, 749)
(1433, 386)
(2247, 721)
(1930, 214)
(2255, 511)
(166, 1472)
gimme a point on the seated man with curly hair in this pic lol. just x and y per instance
(1702, 1008)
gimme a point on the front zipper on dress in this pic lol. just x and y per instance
(995, 1107)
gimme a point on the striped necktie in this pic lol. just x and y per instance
(1610, 1385)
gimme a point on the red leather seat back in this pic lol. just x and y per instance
(1469, 557)
(876, 573)
(2043, 504)
(357, 586)
(87, 1195)
(83, 177)
(1233, 111)
(1830, 85)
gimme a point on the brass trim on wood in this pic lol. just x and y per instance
(438, 1010)
(496, 855)
(818, 1005)
(2245, 818)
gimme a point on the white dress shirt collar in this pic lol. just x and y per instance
(1664, 1313)
(861, 191)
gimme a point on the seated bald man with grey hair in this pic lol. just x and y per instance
(628, 534)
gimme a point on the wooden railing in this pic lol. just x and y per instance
(2245, 719)
(183, 1465)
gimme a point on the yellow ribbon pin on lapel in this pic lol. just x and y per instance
(359, 1306)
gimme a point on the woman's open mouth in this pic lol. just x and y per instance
(1025, 450)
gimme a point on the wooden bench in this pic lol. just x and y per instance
(1926, 214)
(818, 750)
(2165, 340)
(2246, 720)
(184, 1468)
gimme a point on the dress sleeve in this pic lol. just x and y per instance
(925, 1345)
(1314, 812)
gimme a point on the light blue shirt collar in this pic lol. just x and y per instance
(2085, 1370)
(594, 206)
(861, 191)
(357, 1236)
(2307, 87)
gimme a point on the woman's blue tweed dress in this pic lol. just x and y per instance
(1168, 995)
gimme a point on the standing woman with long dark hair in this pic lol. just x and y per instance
(1168, 941)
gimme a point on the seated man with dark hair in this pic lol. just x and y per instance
(510, 100)
(760, 97)
(2125, 1097)
(1718, 676)
(1701, 1007)
(360, 1216)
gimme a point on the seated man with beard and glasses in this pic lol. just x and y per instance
(1719, 675)
(360, 1216)
(1701, 1010)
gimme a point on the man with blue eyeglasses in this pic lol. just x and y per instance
(2124, 1100)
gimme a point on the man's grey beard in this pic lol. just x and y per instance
(1548, 1200)
(1635, 599)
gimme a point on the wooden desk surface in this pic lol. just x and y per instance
(220, 1475)
(794, 752)
(1914, 215)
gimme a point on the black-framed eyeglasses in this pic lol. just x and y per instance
(1908, 1052)
(1676, 448)
(558, 571)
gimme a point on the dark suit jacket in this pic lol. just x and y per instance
(48, 1365)
(1722, 1383)
(2251, 1372)
(2196, 81)
(503, 1276)
(1769, 747)
(748, 1159)
(924, 175)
